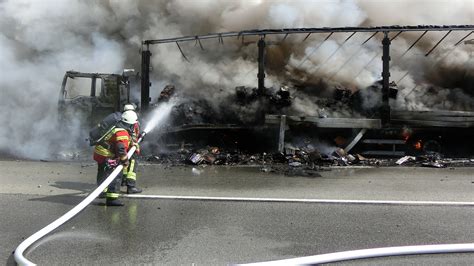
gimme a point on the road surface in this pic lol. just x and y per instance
(170, 231)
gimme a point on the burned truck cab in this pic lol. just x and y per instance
(89, 97)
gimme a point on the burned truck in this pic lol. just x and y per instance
(380, 130)
(89, 97)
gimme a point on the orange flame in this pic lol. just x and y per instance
(418, 145)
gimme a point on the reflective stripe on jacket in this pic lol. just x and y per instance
(118, 141)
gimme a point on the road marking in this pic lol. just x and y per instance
(290, 200)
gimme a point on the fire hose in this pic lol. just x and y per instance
(370, 253)
(18, 255)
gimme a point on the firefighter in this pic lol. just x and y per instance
(129, 173)
(113, 151)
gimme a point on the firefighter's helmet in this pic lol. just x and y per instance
(129, 107)
(129, 117)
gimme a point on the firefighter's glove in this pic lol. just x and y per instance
(137, 151)
(124, 160)
(111, 163)
(136, 145)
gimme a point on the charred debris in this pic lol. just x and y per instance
(200, 134)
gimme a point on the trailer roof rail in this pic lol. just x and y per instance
(309, 31)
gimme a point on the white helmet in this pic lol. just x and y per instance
(129, 117)
(129, 107)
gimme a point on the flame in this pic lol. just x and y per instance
(418, 145)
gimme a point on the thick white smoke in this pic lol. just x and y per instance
(40, 40)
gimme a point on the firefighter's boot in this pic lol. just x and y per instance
(133, 190)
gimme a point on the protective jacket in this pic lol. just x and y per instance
(116, 145)
(136, 131)
(135, 135)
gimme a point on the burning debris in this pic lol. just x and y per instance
(279, 98)
(299, 160)
(367, 102)
(433, 159)
(248, 105)
(166, 93)
(210, 127)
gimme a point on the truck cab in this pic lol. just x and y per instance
(89, 97)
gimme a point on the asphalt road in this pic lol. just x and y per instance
(157, 231)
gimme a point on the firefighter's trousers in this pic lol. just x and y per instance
(130, 173)
(113, 190)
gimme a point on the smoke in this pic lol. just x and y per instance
(40, 40)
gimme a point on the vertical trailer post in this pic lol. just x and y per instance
(145, 82)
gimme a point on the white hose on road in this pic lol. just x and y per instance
(371, 253)
(21, 260)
